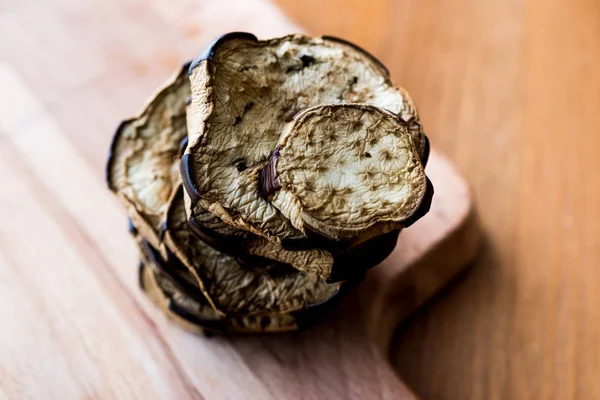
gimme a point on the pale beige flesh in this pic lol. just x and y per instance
(243, 97)
(347, 172)
(141, 169)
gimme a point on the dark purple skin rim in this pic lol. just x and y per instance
(361, 50)
(166, 269)
(222, 243)
(423, 207)
(162, 230)
(230, 245)
(268, 180)
(141, 267)
(182, 146)
(113, 142)
(353, 264)
(209, 51)
(131, 227)
(211, 326)
(297, 244)
(426, 152)
(185, 169)
(304, 318)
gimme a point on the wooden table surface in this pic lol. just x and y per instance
(510, 90)
(75, 324)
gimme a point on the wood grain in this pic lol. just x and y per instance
(510, 90)
(75, 324)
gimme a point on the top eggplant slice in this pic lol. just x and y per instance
(141, 169)
(244, 91)
(345, 172)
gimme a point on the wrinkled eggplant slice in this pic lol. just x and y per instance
(244, 92)
(189, 314)
(346, 172)
(246, 245)
(196, 315)
(238, 289)
(141, 168)
(171, 270)
(208, 52)
(385, 71)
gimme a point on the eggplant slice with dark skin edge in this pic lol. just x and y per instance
(222, 275)
(184, 302)
(162, 138)
(421, 140)
(147, 148)
(141, 168)
(201, 259)
(189, 165)
(333, 160)
(198, 317)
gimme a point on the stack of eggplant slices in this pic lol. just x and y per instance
(266, 176)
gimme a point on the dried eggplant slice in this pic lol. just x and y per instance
(187, 312)
(173, 270)
(141, 169)
(409, 113)
(253, 248)
(236, 289)
(200, 318)
(348, 264)
(167, 264)
(243, 93)
(352, 264)
(345, 172)
(185, 304)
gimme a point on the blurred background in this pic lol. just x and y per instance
(508, 90)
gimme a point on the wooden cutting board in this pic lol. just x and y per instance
(74, 323)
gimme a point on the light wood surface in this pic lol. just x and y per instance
(74, 323)
(510, 90)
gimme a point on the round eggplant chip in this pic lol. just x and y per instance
(141, 169)
(345, 172)
(244, 92)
